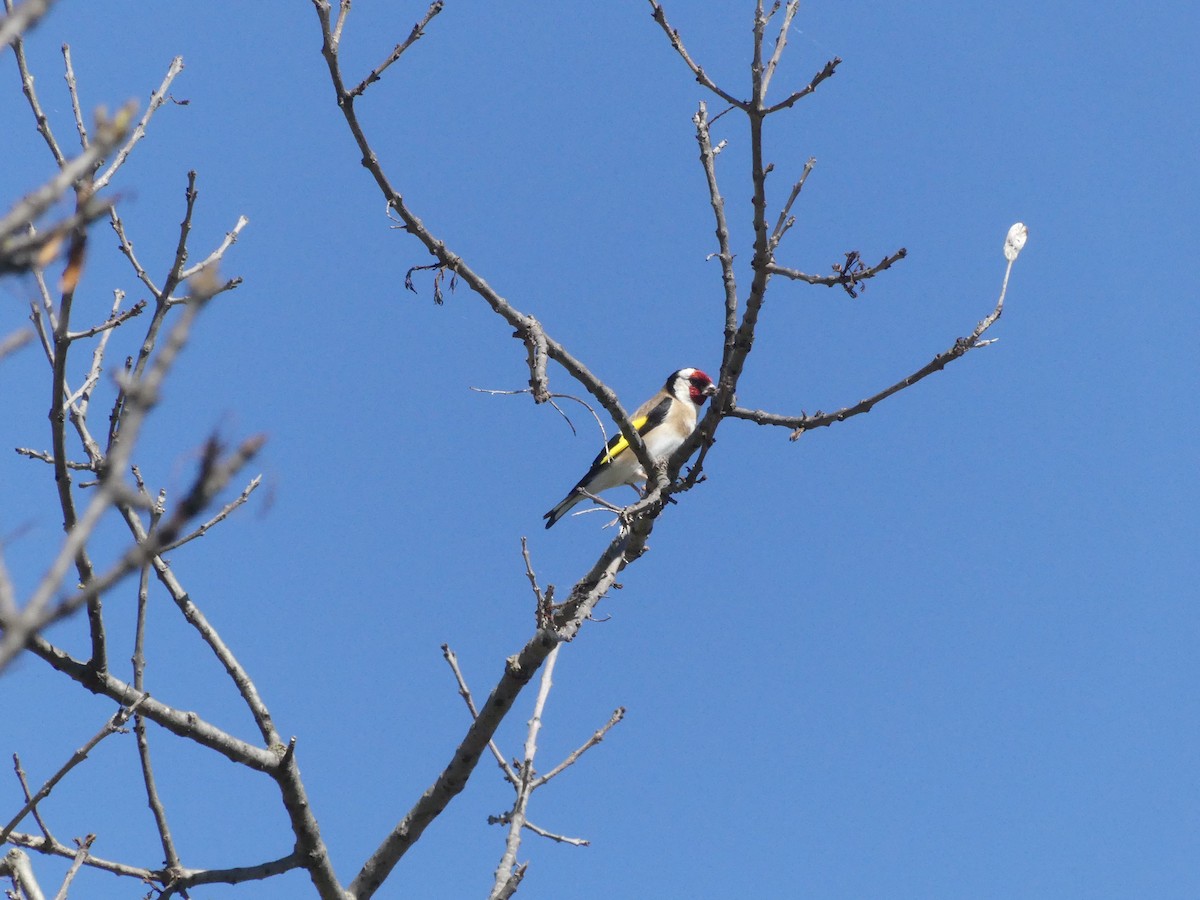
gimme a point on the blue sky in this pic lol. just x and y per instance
(943, 649)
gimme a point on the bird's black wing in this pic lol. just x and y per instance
(617, 442)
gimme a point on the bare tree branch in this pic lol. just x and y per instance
(22, 19)
(126, 246)
(112, 726)
(573, 756)
(52, 847)
(541, 832)
(145, 544)
(465, 692)
(309, 845)
(16, 865)
(73, 90)
(157, 99)
(849, 275)
(43, 122)
(20, 249)
(535, 342)
(724, 251)
(81, 855)
(185, 724)
(417, 32)
(47, 457)
(221, 516)
(112, 321)
(185, 879)
(960, 348)
(11, 343)
(143, 394)
(660, 16)
(525, 781)
(786, 219)
(518, 671)
(139, 390)
(506, 870)
(230, 239)
(34, 811)
(826, 72)
(168, 529)
(157, 809)
(789, 13)
(452, 261)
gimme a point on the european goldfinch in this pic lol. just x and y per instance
(664, 422)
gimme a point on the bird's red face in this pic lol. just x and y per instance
(700, 387)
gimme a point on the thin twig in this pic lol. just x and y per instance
(126, 247)
(19, 249)
(27, 80)
(176, 274)
(506, 870)
(185, 724)
(573, 756)
(157, 809)
(417, 32)
(49, 458)
(53, 847)
(557, 838)
(219, 517)
(78, 530)
(789, 13)
(141, 394)
(724, 252)
(187, 878)
(34, 811)
(660, 16)
(465, 692)
(112, 322)
(81, 856)
(343, 11)
(552, 397)
(826, 72)
(212, 475)
(802, 423)
(847, 276)
(541, 601)
(229, 240)
(786, 219)
(452, 261)
(113, 725)
(73, 90)
(157, 99)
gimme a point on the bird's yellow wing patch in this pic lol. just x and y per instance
(617, 442)
(643, 425)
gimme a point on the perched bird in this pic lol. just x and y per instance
(664, 422)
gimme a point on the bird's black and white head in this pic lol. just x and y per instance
(690, 384)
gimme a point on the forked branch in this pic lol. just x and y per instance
(802, 423)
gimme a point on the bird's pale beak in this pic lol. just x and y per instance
(710, 390)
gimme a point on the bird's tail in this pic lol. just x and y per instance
(564, 506)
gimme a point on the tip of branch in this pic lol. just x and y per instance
(252, 445)
(1015, 240)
